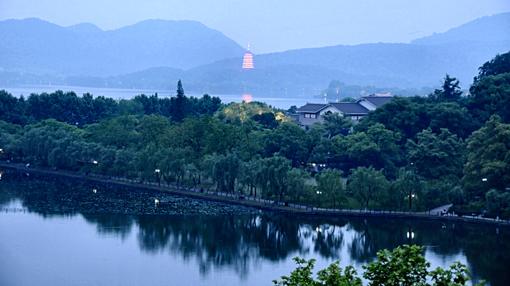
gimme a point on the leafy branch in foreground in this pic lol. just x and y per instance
(404, 266)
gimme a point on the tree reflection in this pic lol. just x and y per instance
(242, 241)
(111, 224)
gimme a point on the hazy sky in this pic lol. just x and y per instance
(273, 25)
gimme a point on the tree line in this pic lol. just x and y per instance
(414, 153)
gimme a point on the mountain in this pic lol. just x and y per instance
(422, 63)
(117, 59)
(487, 29)
(37, 46)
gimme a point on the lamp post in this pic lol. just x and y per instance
(319, 193)
(411, 197)
(158, 176)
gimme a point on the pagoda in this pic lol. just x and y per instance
(248, 60)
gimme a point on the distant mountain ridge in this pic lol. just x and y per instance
(33, 45)
(485, 29)
(422, 63)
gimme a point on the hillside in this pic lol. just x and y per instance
(88, 56)
(424, 62)
(485, 30)
(36, 46)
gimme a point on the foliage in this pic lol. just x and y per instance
(499, 65)
(498, 203)
(490, 89)
(331, 276)
(331, 186)
(367, 185)
(436, 155)
(336, 124)
(403, 266)
(450, 90)
(488, 159)
(445, 148)
(81, 110)
(406, 190)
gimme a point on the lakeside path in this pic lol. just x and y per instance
(266, 205)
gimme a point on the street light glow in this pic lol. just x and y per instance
(484, 179)
(95, 162)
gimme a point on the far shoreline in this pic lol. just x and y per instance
(260, 204)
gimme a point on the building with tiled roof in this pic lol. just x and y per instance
(311, 113)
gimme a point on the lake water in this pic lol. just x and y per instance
(59, 232)
(283, 102)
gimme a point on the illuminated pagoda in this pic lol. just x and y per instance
(248, 60)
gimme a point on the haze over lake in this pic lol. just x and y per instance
(283, 102)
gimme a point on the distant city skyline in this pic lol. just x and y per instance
(271, 26)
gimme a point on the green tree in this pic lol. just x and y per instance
(405, 115)
(498, 203)
(275, 176)
(12, 109)
(406, 190)
(287, 140)
(367, 185)
(498, 65)
(118, 132)
(436, 155)
(333, 275)
(153, 129)
(490, 89)
(179, 105)
(225, 170)
(403, 266)
(266, 119)
(450, 90)
(336, 124)
(251, 173)
(488, 159)
(331, 186)
(298, 188)
(452, 116)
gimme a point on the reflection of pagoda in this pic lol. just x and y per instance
(247, 65)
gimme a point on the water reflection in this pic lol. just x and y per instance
(244, 240)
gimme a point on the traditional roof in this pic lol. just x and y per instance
(378, 101)
(312, 107)
(349, 108)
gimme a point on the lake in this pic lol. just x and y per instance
(61, 232)
(283, 102)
